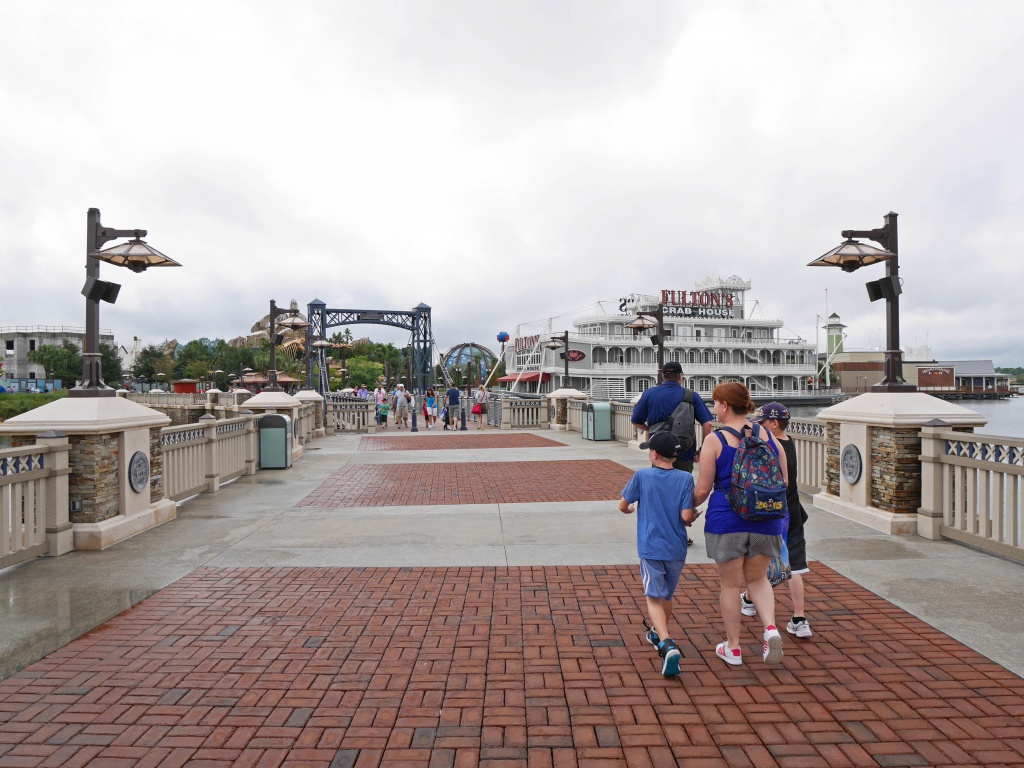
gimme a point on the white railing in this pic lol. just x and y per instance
(971, 489)
(33, 499)
(56, 330)
(199, 457)
(808, 436)
(574, 415)
(157, 397)
(622, 424)
(799, 369)
(349, 415)
(525, 414)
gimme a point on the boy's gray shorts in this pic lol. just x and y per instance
(660, 577)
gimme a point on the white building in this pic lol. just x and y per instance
(710, 331)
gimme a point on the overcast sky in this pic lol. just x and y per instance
(506, 162)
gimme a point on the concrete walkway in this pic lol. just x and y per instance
(472, 598)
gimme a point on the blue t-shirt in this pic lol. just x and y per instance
(453, 396)
(657, 403)
(661, 496)
(721, 517)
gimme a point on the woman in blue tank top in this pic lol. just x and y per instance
(741, 548)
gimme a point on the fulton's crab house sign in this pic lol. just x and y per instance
(692, 304)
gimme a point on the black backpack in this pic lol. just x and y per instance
(681, 423)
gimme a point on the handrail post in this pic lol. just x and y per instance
(929, 514)
(60, 537)
(211, 457)
(252, 442)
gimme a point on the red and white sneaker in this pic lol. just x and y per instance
(729, 655)
(772, 645)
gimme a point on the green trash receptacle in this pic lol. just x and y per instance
(587, 418)
(601, 419)
(275, 441)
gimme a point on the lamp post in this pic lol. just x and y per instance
(559, 342)
(643, 323)
(137, 256)
(292, 321)
(850, 256)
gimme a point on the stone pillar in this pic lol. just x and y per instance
(873, 469)
(310, 396)
(561, 413)
(211, 457)
(110, 462)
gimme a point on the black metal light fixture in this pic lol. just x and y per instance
(850, 256)
(644, 322)
(292, 322)
(561, 342)
(138, 256)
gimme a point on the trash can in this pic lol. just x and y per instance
(602, 421)
(275, 441)
(587, 428)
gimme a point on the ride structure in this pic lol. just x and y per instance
(416, 321)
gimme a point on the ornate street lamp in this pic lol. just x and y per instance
(850, 256)
(138, 256)
(561, 342)
(644, 322)
(292, 322)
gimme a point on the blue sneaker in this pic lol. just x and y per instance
(670, 656)
(651, 636)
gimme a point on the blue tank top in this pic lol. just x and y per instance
(720, 517)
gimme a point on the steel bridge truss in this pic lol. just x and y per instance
(416, 321)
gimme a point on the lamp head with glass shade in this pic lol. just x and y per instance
(851, 255)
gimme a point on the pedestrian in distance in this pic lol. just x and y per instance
(452, 396)
(775, 417)
(672, 407)
(480, 407)
(662, 498)
(400, 401)
(430, 406)
(741, 547)
(380, 397)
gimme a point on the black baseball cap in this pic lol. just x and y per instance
(665, 444)
(672, 367)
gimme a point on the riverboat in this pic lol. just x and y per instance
(713, 330)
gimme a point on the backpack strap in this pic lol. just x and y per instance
(735, 433)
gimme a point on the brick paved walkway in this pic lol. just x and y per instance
(369, 485)
(497, 667)
(454, 441)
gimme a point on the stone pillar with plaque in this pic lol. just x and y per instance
(872, 456)
(115, 489)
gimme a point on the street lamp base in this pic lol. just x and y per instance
(893, 387)
(92, 391)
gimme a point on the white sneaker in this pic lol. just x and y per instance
(799, 628)
(746, 607)
(772, 646)
(733, 656)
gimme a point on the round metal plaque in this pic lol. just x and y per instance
(138, 472)
(850, 464)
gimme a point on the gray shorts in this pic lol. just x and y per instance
(723, 547)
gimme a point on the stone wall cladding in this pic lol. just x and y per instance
(22, 441)
(898, 488)
(156, 466)
(832, 457)
(95, 477)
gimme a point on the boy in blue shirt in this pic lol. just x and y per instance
(662, 497)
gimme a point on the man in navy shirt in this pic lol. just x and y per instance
(657, 403)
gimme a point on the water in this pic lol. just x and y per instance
(1005, 417)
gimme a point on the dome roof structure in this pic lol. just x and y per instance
(461, 354)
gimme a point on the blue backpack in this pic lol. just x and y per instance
(758, 490)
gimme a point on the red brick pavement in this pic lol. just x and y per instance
(453, 441)
(379, 485)
(510, 667)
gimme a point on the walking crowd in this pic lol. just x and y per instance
(747, 474)
(748, 477)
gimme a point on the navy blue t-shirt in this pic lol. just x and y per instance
(453, 396)
(660, 495)
(657, 403)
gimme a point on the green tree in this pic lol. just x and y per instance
(146, 362)
(110, 365)
(362, 370)
(63, 362)
(193, 360)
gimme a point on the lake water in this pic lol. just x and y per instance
(1005, 417)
